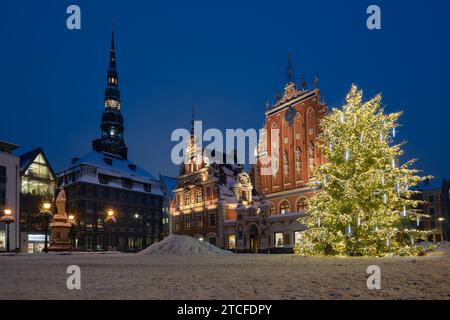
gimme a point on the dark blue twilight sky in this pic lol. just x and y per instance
(227, 57)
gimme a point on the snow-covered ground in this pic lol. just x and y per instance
(138, 276)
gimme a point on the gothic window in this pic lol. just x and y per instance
(286, 163)
(311, 157)
(301, 204)
(298, 160)
(275, 165)
(285, 207)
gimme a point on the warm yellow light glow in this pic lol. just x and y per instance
(47, 205)
(441, 219)
(110, 213)
(71, 217)
(8, 211)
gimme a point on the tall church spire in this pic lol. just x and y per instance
(112, 139)
(112, 92)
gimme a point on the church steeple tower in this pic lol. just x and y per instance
(112, 140)
(112, 92)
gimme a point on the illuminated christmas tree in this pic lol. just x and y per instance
(364, 202)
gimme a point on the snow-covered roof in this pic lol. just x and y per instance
(117, 167)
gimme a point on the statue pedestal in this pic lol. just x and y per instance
(60, 240)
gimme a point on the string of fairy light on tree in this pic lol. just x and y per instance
(364, 202)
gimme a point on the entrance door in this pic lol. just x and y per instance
(253, 238)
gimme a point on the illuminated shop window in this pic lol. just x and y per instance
(231, 241)
(279, 243)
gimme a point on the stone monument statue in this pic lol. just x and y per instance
(60, 226)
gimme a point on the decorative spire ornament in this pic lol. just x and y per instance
(303, 83)
(290, 70)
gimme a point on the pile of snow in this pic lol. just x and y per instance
(184, 246)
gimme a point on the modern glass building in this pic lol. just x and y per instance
(37, 184)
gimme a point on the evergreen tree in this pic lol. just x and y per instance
(365, 201)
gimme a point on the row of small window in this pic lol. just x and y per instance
(280, 239)
(125, 182)
(90, 222)
(198, 197)
(189, 223)
(115, 194)
(285, 206)
(133, 243)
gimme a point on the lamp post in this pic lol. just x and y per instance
(46, 213)
(110, 218)
(73, 223)
(7, 218)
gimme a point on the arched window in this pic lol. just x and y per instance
(285, 207)
(301, 204)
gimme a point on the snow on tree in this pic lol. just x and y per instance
(364, 203)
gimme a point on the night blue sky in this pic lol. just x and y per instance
(226, 57)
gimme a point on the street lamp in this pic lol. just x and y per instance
(47, 214)
(110, 218)
(7, 218)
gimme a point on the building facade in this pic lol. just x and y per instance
(168, 184)
(9, 195)
(288, 155)
(436, 198)
(105, 181)
(37, 185)
(212, 202)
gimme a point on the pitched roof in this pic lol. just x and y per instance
(27, 158)
(116, 166)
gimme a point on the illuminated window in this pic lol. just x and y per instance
(187, 199)
(279, 240)
(301, 205)
(297, 237)
(198, 196)
(231, 241)
(285, 207)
